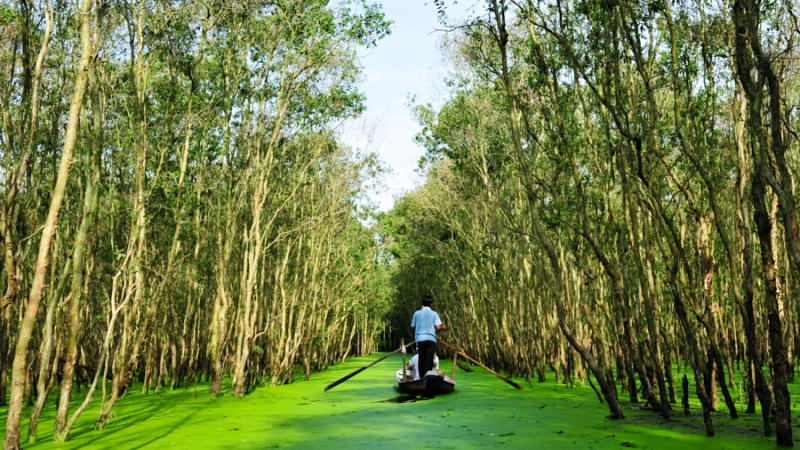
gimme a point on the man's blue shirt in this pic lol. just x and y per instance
(424, 322)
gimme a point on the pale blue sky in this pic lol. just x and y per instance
(405, 63)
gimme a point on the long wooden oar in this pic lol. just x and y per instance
(347, 377)
(465, 356)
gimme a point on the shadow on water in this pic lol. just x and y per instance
(407, 398)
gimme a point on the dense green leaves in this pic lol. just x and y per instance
(229, 235)
(593, 168)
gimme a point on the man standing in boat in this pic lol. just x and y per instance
(426, 322)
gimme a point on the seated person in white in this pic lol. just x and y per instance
(414, 365)
(412, 371)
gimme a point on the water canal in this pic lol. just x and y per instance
(366, 412)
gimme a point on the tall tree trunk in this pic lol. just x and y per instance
(48, 365)
(90, 204)
(137, 319)
(746, 16)
(775, 332)
(9, 208)
(15, 181)
(609, 393)
(48, 231)
(102, 362)
(226, 230)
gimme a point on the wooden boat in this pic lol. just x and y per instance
(430, 385)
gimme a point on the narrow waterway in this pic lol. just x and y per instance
(366, 412)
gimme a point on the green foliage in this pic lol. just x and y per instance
(588, 178)
(7, 14)
(365, 23)
(228, 206)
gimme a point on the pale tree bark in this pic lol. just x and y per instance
(91, 200)
(22, 166)
(219, 315)
(255, 235)
(130, 269)
(8, 209)
(228, 227)
(745, 294)
(609, 392)
(682, 310)
(745, 19)
(683, 126)
(102, 362)
(37, 286)
(48, 364)
(226, 230)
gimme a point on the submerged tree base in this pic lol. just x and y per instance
(483, 412)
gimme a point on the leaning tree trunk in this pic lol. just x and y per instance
(608, 390)
(91, 198)
(48, 363)
(9, 208)
(48, 231)
(777, 346)
(136, 318)
(745, 18)
(757, 381)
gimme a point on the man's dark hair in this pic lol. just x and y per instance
(427, 300)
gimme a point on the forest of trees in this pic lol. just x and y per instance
(611, 195)
(176, 206)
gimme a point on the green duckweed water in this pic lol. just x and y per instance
(484, 412)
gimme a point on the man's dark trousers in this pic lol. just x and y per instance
(427, 349)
